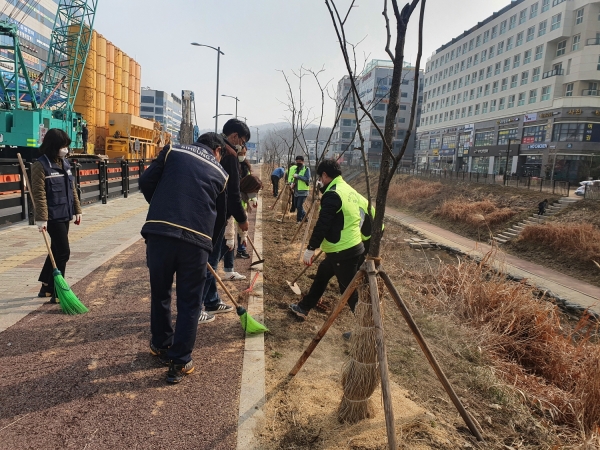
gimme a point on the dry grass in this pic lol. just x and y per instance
(575, 240)
(484, 212)
(408, 191)
(555, 368)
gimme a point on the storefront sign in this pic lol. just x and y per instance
(447, 152)
(575, 112)
(537, 146)
(530, 117)
(503, 121)
(592, 132)
(481, 150)
(549, 114)
(469, 127)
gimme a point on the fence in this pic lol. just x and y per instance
(561, 188)
(592, 192)
(96, 181)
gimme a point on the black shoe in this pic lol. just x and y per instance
(243, 255)
(44, 292)
(161, 353)
(347, 335)
(53, 300)
(177, 372)
(299, 312)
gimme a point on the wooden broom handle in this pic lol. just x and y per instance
(318, 255)
(222, 285)
(48, 247)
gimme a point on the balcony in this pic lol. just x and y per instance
(591, 92)
(553, 73)
(593, 41)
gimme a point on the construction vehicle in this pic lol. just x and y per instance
(188, 132)
(26, 113)
(131, 137)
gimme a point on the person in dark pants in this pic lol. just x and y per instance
(56, 203)
(299, 178)
(275, 177)
(84, 137)
(338, 233)
(542, 207)
(185, 187)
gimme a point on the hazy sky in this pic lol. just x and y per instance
(260, 37)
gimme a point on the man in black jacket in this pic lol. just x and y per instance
(235, 134)
(184, 186)
(338, 233)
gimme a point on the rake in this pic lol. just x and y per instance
(260, 258)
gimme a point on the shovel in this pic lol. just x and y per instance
(260, 258)
(293, 286)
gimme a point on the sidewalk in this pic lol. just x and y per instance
(105, 231)
(564, 286)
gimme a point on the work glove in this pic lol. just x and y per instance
(42, 225)
(295, 175)
(308, 257)
(254, 202)
(77, 219)
(230, 244)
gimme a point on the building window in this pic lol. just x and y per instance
(539, 52)
(506, 64)
(484, 108)
(481, 74)
(479, 91)
(509, 43)
(469, 61)
(484, 138)
(576, 41)
(500, 48)
(486, 36)
(598, 66)
(483, 55)
(501, 104)
(497, 68)
(556, 22)
(513, 81)
(530, 33)
(569, 90)
(495, 87)
(505, 135)
(533, 11)
(471, 44)
(504, 84)
(535, 76)
(503, 27)
(546, 93)
(557, 2)
(568, 132)
(467, 80)
(487, 88)
(476, 59)
(516, 61)
(470, 111)
(148, 99)
(545, 5)
(493, 106)
(561, 48)
(460, 82)
(521, 101)
(524, 78)
(527, 57)
(542, 28)
(520, 38)
(579, 16)
(533, 96)
(512, 22)
(534, 134)
(477, 109)
(522, 16)
(492, 48)
(463, 112)
(472, 94)
(511, 101)
(149, 109)
(488, 72)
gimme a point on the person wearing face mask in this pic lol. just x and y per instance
(338, 234)
(245, 167)
(299, 178)
(56, 203)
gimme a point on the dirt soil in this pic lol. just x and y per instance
(90, 382)
(300, 413)
(522, 201)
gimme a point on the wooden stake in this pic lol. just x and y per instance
(308, 216)
(334, 313)
(382, 356)
(432, 361)
(309, 227)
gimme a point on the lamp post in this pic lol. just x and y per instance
(228, 114)
(219, 53)
(257, 144)
(236, 102)
(507, 155)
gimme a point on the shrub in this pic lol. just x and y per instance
(483, 212)
(411, 190)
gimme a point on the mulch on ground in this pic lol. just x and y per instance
(89, 381)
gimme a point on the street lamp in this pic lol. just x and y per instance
(236, 102)
(219, 53)
(257, 143)
(228, 114)
(507, 155)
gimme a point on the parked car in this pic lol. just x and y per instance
(581, 189)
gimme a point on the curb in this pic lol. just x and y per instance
(252, 390)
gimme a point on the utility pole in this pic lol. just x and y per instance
(257, 144)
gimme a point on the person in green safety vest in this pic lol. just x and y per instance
(299, 177)
(338, 234)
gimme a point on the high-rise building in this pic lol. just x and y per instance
(373, 87)
(164, 108)
(526, 77)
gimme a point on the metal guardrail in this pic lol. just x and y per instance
(561, 188)
(95, 181)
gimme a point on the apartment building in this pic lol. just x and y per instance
(373, 88)
(164, 108)
(522, 85)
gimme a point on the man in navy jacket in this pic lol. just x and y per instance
(185, 187)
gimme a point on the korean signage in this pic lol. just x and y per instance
(512, 119)
(536, 146)
(530, 117)
(548, 114)
(481, 150)
(592, 132)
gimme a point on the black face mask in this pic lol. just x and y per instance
(299, 165)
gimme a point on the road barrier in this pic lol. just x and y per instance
(95, 181)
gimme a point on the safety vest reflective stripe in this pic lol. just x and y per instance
(350, 235)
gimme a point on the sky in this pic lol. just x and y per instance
(261, 38)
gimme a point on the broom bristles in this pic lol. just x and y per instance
(69, 303)
(251, 326)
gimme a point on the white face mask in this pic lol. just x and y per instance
(238, 148)
(63, 152)
(319, 184)
(241, 158)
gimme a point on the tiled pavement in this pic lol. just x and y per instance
(564, 286)
(105, 231)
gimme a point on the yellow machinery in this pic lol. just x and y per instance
(130, 137)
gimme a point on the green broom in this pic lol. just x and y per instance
(249, 324)
(69, 303)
